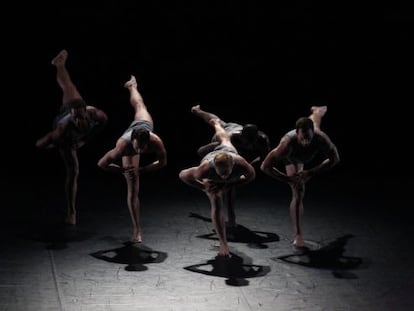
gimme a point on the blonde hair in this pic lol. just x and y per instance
(223, 159)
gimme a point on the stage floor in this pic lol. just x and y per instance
(360, 253)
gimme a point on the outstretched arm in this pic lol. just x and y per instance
(161, 155)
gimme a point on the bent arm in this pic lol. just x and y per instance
(160, 162)
(51, 138)
(268, 165)
(108, 161)
(331, 160)
(192, 177)
(249, 173)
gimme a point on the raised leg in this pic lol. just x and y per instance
(70, 91)
(136, 100)
(317, 113)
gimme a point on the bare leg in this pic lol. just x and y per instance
(70, 92)
(70, 158)
(296, 206)
(229, 199)
(132, 181)
(296, 213)
(219, 222)
(136, 100)
(206, 116)
(317, 113)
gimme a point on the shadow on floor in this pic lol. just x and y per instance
(329, 256)
(56, 236)
(241, 234)
(236, 268)
(134, 255)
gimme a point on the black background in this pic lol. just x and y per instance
(253, 62)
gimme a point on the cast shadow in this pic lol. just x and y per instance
(134, 255)
(56, 235)
(330, 256)
(236, 269)
(241, 234)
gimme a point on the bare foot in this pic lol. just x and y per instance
(317, 113)
(60, 59)
(131, 83)
(136, 237)
(195, 109)
(70, 219)
(298, 242)
(224, 250)
(319, 110)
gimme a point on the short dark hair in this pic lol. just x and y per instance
(141, 135)
(305, 124)
(250, 131)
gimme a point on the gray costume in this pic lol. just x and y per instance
(299, 154)
(72, 134)
(235, 175)
(137, 124)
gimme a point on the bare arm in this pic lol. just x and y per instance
(161, 155)
(193, 177)
(249, 173)
(108, 161)
(268, 165)
(332, 158)
(51, 138)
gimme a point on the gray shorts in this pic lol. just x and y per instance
(219, 149)
(137, 124)
(230, 128)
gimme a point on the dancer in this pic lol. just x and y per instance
(297, 148)
(218, 171)
(124, 158)
(75, 125)
(251, 143)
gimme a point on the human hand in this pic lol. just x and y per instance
(304, 176)
(214, 187)
(295, 180)
(129, 172)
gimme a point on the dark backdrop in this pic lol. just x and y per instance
(263, 63)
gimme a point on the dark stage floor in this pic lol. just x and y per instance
(360, 257)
